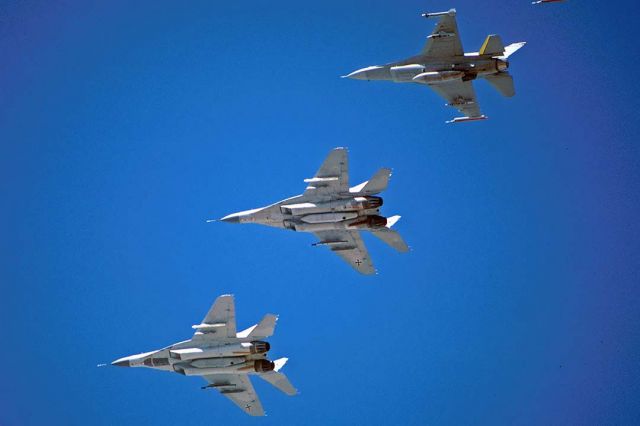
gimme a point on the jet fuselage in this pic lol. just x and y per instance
(193, 359)
(302, 215)
(425, 70)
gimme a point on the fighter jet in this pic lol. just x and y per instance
(546, 1)
(443, 66)
(334, 212)
(221, 356)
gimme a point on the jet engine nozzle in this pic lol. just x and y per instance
(259, 347)
(263, 365)
(377, 221)
(372, 221)
(502, 66)
(370, 202)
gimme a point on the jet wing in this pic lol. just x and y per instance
(460, 95)
(220, 321)
(238, 388)
(333, 175)
(350, 247)
(444, 40)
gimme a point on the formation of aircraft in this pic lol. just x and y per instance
(334, 212)
(443, 66)
(223, 357)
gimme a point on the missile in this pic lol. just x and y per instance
(321, 179)
(329, 243)
(208, 327)
(450, 12)
(463, 119)
(459, 103)
(442, 34)
(218, 385)
(546, 1)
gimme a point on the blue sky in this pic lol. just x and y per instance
(123, 127)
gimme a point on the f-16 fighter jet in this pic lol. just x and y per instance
(334, 212)
(223, 357)
(443, 66)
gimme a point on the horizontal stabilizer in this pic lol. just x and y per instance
(511, 49)
(392, 220)
(503, 83)
(390, 236)
(279, 380)
(264, 328)
(375, 185)
(492, 46)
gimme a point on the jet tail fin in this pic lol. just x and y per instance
(264, 328)
(492, 46)
(278, 379)
(503, 83)
(390, 236)
(375, 185)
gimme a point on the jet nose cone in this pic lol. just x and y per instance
(231, 218)
(375, 72)
(121, 363)
(357, 75)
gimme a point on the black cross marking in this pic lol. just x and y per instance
(358, 262)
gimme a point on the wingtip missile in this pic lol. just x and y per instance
(463, 119)
(545, 1)
(450, 12)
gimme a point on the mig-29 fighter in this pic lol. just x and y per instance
(334, 212)
(446, 68)
(223, 357)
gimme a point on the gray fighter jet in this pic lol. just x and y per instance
(443, 66)
(334, 212)
(223, 357)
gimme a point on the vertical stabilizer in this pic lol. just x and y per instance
(375, 185)
(492, 46)
(264, 328)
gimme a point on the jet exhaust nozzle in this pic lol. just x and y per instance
(372, 221)
(260, 347)
(263, 365)
(371, 202)
(502, 66)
